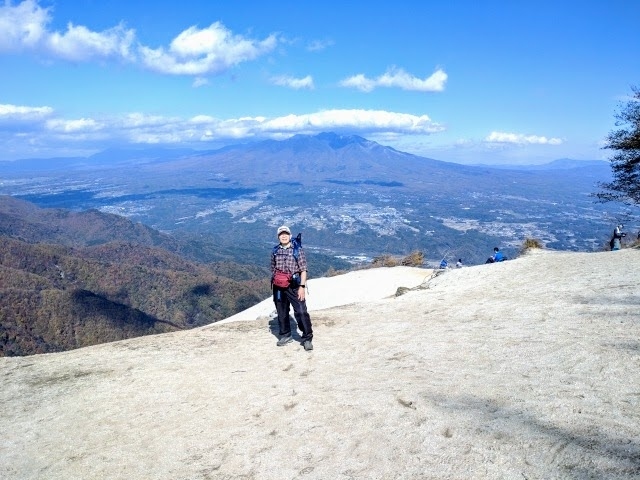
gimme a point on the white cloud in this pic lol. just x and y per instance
(194, 51)
(319, 45)
(28, 131)
(295, 83)
(17, 112)
(73, 126)
(140, 120)
(521, 139)
(79, 43)
(15, 120)
(22, 26)
(42, 126)
(200, 82)
(355, 120)
(205, 51)
(395, 77)
(360, 82)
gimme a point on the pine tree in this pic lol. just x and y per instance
(625, 163)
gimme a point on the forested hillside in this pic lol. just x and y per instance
(55, 298)
(71, 279)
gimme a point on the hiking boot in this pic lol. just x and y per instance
(307, 345)
(284, 340)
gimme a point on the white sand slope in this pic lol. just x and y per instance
(528, 369)
(352, 287)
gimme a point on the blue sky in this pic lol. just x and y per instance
(466, 81)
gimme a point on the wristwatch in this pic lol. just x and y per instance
(302, 286)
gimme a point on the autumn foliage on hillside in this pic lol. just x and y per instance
(73, 279)
(55, 298)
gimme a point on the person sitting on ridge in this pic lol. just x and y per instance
(497, 256)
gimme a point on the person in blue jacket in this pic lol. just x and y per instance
(497, 256)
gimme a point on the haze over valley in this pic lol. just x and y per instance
(348, 195)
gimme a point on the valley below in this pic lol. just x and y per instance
(353, 199)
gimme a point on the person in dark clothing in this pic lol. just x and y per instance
(616, 239)
(288, 280)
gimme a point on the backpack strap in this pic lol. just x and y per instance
(297, 243)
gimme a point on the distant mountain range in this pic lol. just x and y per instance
(350, 196)
(111, 157)
(560, 164)
(318, 148)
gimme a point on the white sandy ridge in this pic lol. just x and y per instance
(527, 369)
(353, 287)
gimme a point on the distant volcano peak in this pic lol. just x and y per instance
(339, 141)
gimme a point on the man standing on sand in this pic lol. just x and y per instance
(288, 279)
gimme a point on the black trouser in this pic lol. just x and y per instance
(283, 299)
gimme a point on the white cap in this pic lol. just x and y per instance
(283, 228)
